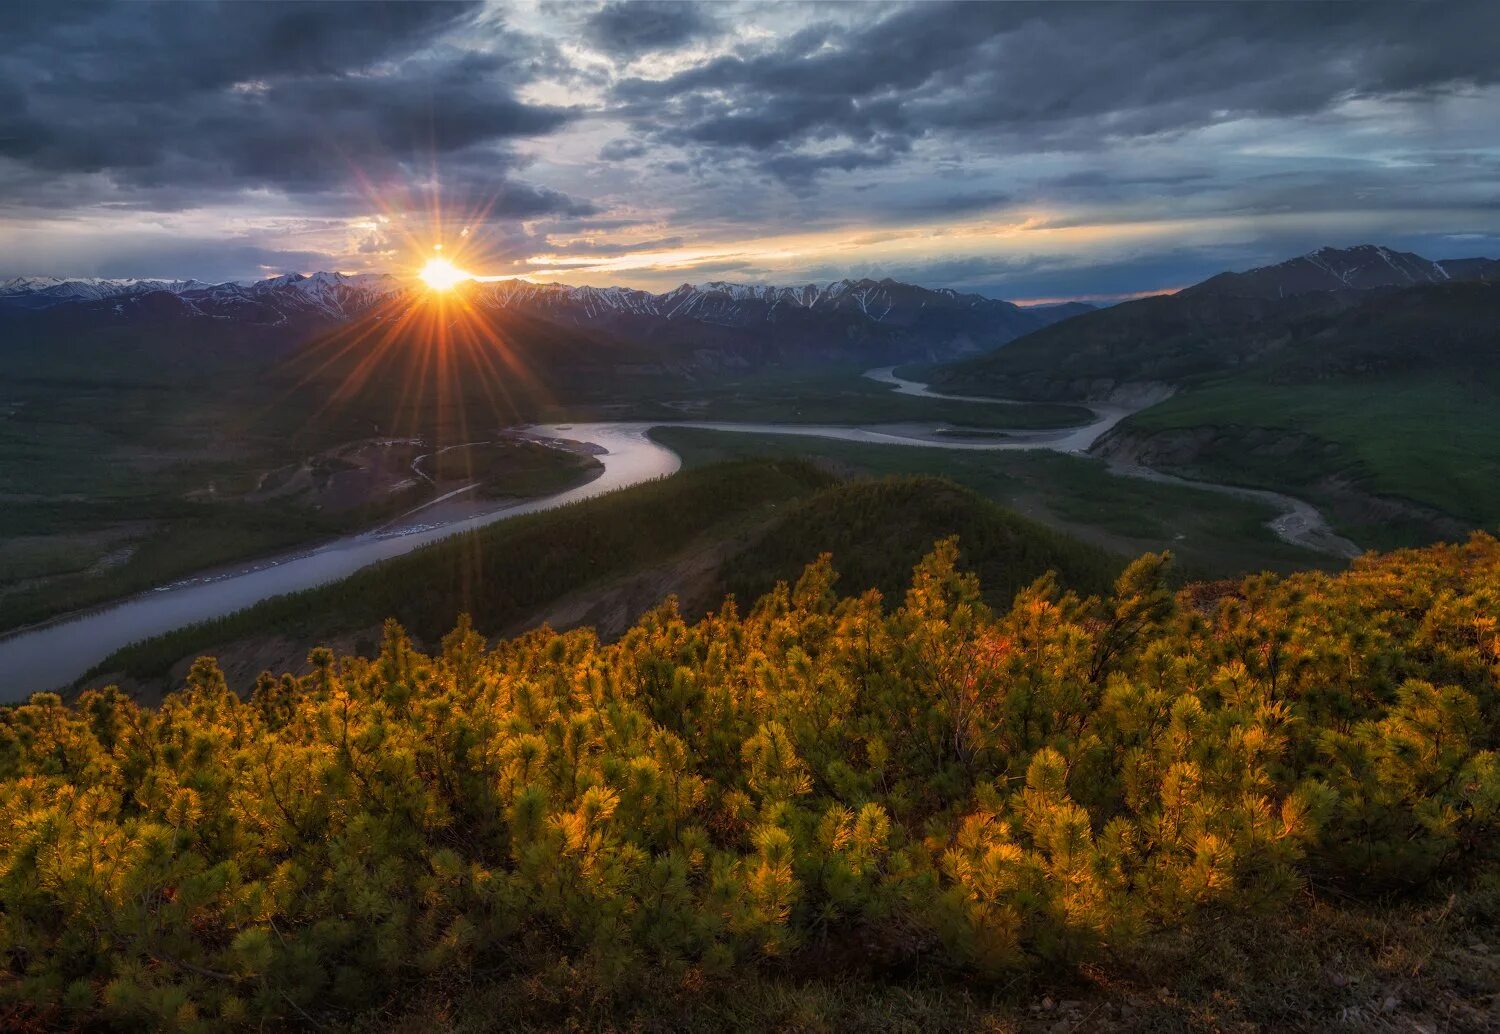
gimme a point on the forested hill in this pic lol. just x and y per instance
(730, 528)
(810, 787)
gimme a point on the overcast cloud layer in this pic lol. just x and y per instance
(1021, 151)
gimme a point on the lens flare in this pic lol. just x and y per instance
(442, 363)
(442, 275)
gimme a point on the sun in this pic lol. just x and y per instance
(442, 275)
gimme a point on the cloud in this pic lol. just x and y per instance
(629, 29)
(591, 248)
(304, 99)
(802, 167)
(1008, 148)
(1069, 76)
(621, 150)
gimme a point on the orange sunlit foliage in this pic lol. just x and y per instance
(980, 791)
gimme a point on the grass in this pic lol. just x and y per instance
(192, 539)
(1431, 440)
(22, 559)
(512, 469)
(1214, 535)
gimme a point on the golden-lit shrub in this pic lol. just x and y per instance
(1042, 785)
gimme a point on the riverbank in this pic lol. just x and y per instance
(1299, 523)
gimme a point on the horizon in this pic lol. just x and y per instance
(1100, 299)
(1012, 151)
(528, 279)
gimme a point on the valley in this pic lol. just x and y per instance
(626, 454)
(153, 429)
(396, 454)
(111, 489)
(1364, 380)
(1393, 461)
(103, 503)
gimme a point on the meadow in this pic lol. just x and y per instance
(1430, 440)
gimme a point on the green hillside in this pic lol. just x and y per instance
(1174, 339)
(878, 530)
(1379, 405)
(765, 518)
(1215, 535)
(1387, 416)
(1430, 439)
(501, 574)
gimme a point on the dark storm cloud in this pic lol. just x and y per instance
(628, 29)
(801, 168)
(1060, 76)
(140, 51)
(302, 98)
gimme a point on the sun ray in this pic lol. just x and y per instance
(441, 275)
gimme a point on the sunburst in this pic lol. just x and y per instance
(441, 275)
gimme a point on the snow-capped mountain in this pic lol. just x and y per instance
(42, 291)
(344, 296)
(694, 326)
(176, 327)
(1361, 268)
(845, 321)
(883, 302)
(336, 295)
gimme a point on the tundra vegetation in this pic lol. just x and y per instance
(924, 791)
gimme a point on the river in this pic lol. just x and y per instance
(55, 654)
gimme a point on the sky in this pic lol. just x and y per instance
(1029, 152)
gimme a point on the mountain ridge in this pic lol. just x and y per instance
(866, 293)
(713, 325)
(1221, 324)
(1372, 397)
(1360, 268)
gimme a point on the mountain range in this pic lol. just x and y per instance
(1067, 351)
(714, 325)
(273, 300)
